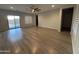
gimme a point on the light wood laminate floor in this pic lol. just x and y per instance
(35, 41)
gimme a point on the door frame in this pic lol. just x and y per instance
(61, 17)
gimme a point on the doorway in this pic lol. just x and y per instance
(36, 20)
(66, 22)
(13, 21)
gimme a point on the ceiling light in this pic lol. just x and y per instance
(53, 5)
(11, 7)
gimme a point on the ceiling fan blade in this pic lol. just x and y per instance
(33, 9)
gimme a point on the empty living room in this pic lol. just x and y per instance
(39, 29)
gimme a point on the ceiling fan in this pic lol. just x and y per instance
(34, 9)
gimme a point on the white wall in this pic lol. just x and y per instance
(75, 30)
(51, 19)
(34, 19)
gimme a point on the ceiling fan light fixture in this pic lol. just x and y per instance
(33, 10)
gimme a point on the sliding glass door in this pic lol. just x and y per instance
(17, 21)
(13, 21)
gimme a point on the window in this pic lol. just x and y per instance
(28, 20)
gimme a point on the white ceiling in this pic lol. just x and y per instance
(26, 7)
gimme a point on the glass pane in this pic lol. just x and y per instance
(17, 17)
(17, 21)
(11, 21)
(10, 17)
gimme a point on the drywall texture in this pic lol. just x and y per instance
(51, 19)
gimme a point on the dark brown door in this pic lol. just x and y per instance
(37, 20)
(67, 15)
